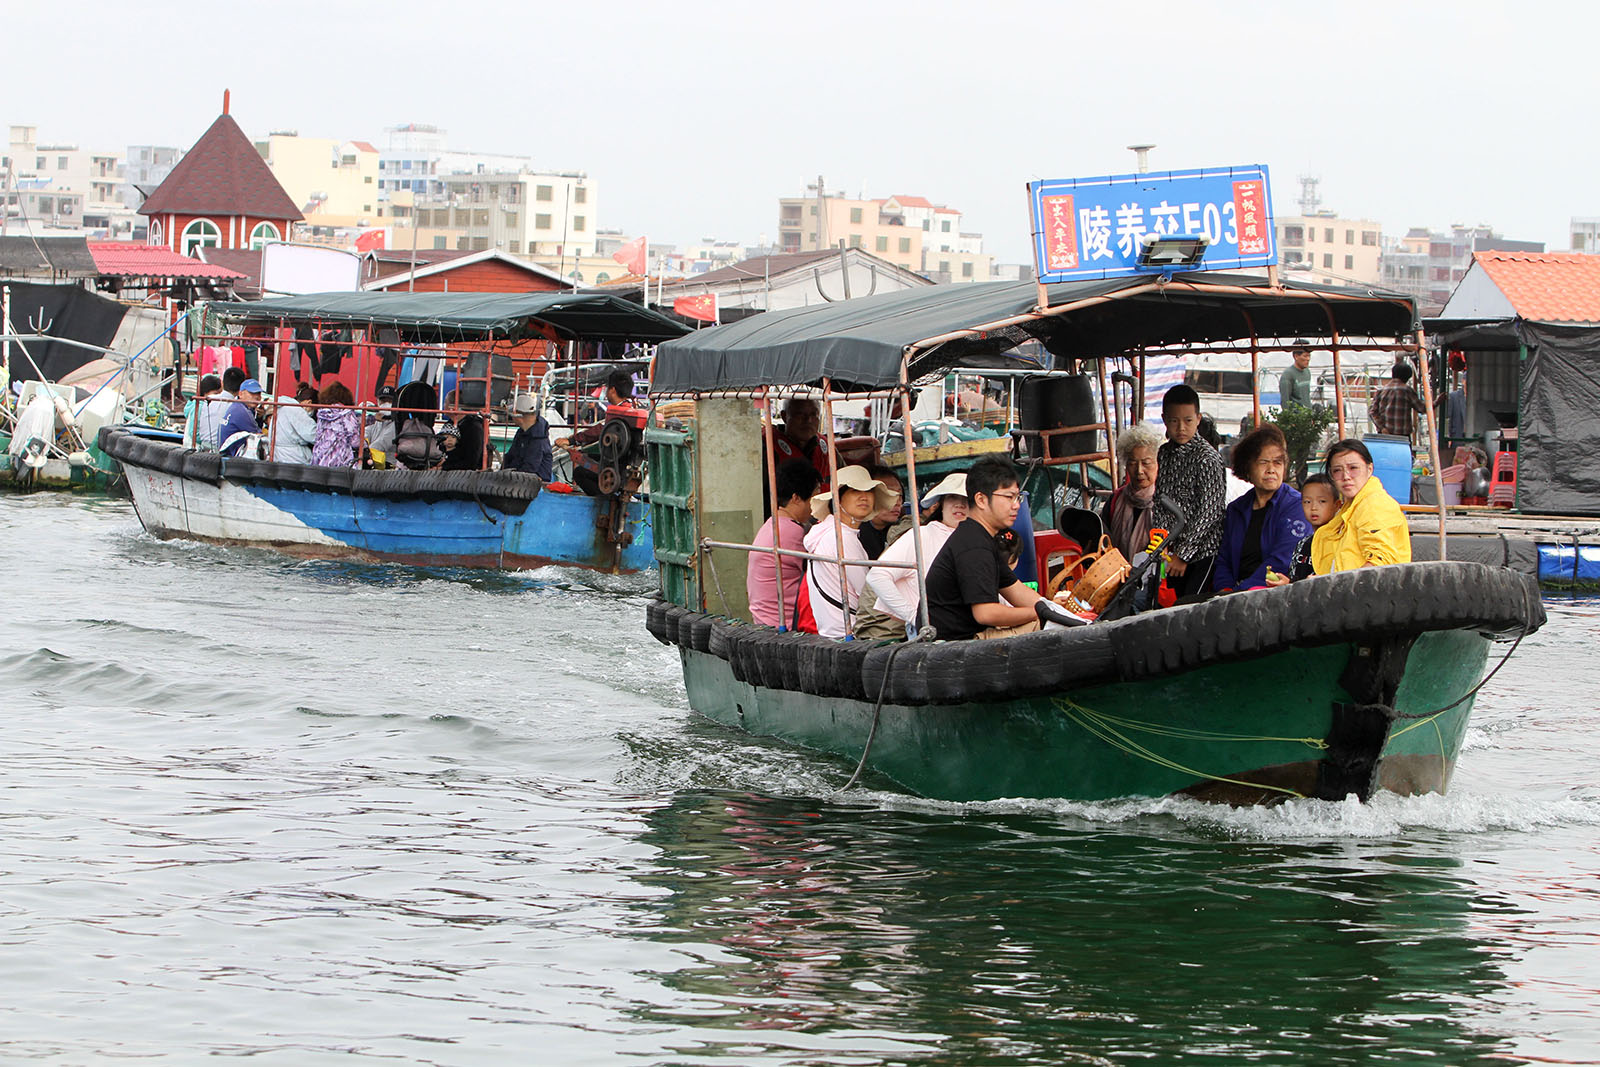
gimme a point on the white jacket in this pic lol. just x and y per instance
(897, 586)
(822, 579)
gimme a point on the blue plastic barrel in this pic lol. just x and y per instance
(1391, 462)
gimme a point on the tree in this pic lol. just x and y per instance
(1302, 428)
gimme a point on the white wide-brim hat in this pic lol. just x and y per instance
(856, 477)
(953, 485)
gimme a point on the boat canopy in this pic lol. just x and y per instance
(441, 317)
(858, 344)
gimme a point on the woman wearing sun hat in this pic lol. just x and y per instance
(860, 497)
(894, 590)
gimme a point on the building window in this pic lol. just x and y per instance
(1327, 235)
(966, 269)
(1327, 259)
(944, 266)
(813, 209)
(541, 222)
(602, 278)
(580, 195)
(855, 216)
(367, 178)
(263, 233)
(944, 227)
(927, 224)
(1369, 237)
(201, 233)
(905, 244)
(47, 205)
(1349, 262)
(511, 221)
(366, 208)
(882, 244)
(480, 244)
(543, 192)
(516, 246)
(855, 240)
(580, 223)
(61, 163)
(440, 245)
(38, 163)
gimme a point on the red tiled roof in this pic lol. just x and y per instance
(1546, 286)
(222, 174)
(127, 259)
(945, 211)
(912, 201)
(364, 146)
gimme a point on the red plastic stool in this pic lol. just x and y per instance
(1503, 483)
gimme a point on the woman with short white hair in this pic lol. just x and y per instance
(1127, 513)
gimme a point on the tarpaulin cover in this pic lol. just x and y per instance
(858, 344)
(1558, 401)
(425, 318)
(68, 311)
(1558, 422)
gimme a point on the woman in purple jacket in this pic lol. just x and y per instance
(1261, 528)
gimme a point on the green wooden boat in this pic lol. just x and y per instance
(1338, 686)
(97, 473)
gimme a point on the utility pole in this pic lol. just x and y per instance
(820, 188)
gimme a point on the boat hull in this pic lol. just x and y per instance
(427, 528)
(1240, 732)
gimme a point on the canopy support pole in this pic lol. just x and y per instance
(772, 494)
(1433, 434)
(916, 493)
(1106, 407)
(1255, 373)
(1338, 373)
(838, 512)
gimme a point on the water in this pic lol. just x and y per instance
(313, 813)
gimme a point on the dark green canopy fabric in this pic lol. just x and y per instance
(858, 344)
(437, 317)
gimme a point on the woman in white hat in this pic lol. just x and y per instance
(860, 497)
(896, 587)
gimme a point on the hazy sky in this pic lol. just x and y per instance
(695, 117)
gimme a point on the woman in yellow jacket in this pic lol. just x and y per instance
(1370, 529)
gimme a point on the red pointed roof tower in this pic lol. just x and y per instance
(220, 195)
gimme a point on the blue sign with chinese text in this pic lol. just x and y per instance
(1095, 227)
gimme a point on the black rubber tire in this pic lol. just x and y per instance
(698, 630)
(1349, 606)
(655, 620)
(718, 642)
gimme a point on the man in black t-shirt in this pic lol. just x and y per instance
(971, 589)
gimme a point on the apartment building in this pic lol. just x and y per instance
(334, 183)
(1330, 250)
(82, 188)
(537, 214)
(912, 232)
(1428, 264)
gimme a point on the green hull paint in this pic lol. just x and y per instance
(100, 475)
(1258, 722)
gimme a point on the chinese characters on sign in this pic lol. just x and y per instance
(1095, 228)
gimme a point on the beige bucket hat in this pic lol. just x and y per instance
(856, 477)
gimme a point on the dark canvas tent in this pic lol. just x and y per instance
(68, 311)
(859, 344)
(1529, 326)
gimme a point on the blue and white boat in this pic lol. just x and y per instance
(453, 518)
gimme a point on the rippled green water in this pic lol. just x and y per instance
(309, 813)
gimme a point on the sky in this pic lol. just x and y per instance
(694, 118)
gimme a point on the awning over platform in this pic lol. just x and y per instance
(858, 344)
(442, 317)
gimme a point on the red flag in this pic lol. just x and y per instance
(631, 255)
(370, 241)
(702, 307)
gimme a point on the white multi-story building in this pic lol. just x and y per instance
(51, 170)
(415, 158)
(145, 167)
(911, 232)
(539, 214)
(1585, 234)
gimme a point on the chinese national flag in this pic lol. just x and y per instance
(702, 307)
(371, 241)
(631, 255)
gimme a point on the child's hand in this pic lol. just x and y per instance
(1276, 579)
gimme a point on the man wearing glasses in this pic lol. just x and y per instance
(972, 592)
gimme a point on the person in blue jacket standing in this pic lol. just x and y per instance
(1261, 528)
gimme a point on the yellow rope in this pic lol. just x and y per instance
(1100, 726)
(1183, 733)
